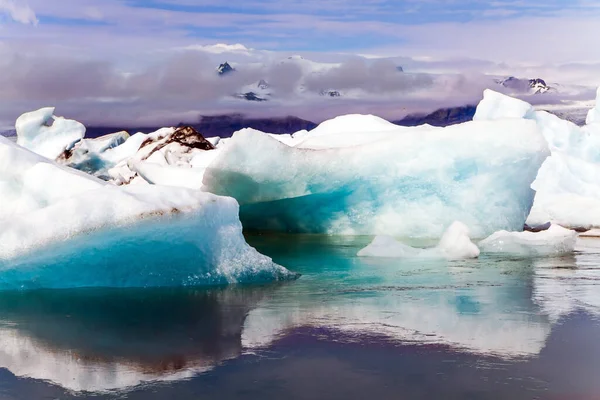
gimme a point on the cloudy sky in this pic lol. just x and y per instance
(120, 56)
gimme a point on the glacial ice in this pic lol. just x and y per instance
(454, 245)
(568, 183)
(90, 155)
(62, 228)
(594, 114)
(496, 106)
(554, 241)
(407, 182)
(45, 134)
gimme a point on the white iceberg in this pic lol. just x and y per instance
(455, 245)
(90, 155)
(45, 134)
(404, 182)
(497, 106)
(594, 114)
(554, 241)
(174, 157)
(568, 184)
(62, 228)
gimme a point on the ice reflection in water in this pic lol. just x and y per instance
(99, 340)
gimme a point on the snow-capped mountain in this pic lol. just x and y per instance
(531, 86)
(225, 68)
(330, 93)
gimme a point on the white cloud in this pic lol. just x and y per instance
(221, 48)
(18, 11)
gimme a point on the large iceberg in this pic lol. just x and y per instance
(568, 183)
(455, 245)
(45, 134)
(62, 228)
(390, 181)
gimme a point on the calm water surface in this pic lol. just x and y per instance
(350, 328)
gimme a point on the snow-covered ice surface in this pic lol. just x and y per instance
(62, 228)
(455, 245)
(46, 134)
(402, 182)
(554, 241)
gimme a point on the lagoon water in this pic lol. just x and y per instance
(349, 328)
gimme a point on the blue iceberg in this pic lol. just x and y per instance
(412, 182)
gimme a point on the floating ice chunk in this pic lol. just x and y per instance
(405, 184)
(173, 149)
(454, 245)
(43, 133)
(88, 154)
(387, 246)
(568, 192)
(495, 106)
(594, 114)
(554, 241)
(592, 233)
(62, 228)
(568, 184)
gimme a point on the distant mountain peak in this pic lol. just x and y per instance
(250, 96)
(330, 93)
(225, 68)
(262, 84)
(533, 86)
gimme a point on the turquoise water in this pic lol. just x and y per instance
(348, 328)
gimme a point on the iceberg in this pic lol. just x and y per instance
(63, 228)
(594, 114)
(402, 182)
(554, 241)
(89, 155)
(496, 106)
(166, 157)
(45, 134)
(455, 245)
(568, 184)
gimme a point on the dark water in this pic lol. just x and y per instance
(350, 328)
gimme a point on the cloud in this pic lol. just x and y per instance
(220, 48)
(18, 11)
(114, 61)
(186, 85)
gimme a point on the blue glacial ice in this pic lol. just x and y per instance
(403, 182)
(62, 228)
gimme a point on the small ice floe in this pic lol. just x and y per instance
(454, 245)
(554, 241)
